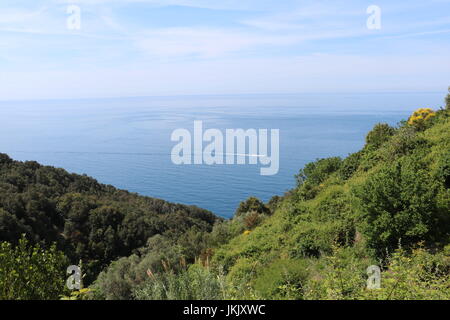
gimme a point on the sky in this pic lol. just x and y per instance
(128, 48)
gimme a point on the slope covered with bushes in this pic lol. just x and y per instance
(88, 221)
(387, 205)
(345, 215)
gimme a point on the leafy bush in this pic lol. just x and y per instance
(87, 220)
(420, 118)
(118, 280)
(252, 220)
(339, 276)
(316, 172)
(398, 204)
(194, 283)
(310, 179)
(30, 272)
(312, 240)
(282, 279)
(243, 270)
(419, 275)
(381, 133)
(252, 204)
(274, 202)
(444, 170)
(405, 142)
(350, 165)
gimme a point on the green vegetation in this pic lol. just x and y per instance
(387, 205)
(193, 283)
(372, 208)
(30, 272)
(88, 221)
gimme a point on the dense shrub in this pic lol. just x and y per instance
(194, 283)
(350, 165)
(405, 142)
(316, 172)
(381, 133)
(282, 279)
(30, 272)
(444, 170)
(420, 118)
(252, 204)
(419, 275)
(87, 220)
(252, 220)
(274, 202)
(243, 270)
(118, 280)
(398, 203)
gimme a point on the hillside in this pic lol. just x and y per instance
(387, 205)
(345, 215)
(87, 220)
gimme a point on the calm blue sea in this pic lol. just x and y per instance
(126, 142)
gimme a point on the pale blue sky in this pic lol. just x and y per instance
(178, 47)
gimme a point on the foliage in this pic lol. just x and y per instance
(316, 172)
(118, 280)
(404, 143)
(282, 279)
(399, 203)
(314, 242)
(82, 294)
(420, 275)
(350, 165)
(194, 283)
(87, 220)
(30, 272)
(420, 117)
(379, 135)
(252, 204)
(444, 170)
(310, 179)
(344, 216)
(274, 203)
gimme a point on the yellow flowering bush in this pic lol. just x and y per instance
(420, 116)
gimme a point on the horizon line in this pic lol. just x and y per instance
(217, 95)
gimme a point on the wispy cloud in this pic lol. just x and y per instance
(204, 42)
(134, 47)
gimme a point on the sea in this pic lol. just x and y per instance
(126, 142)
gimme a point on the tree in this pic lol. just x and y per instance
(398, 204)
